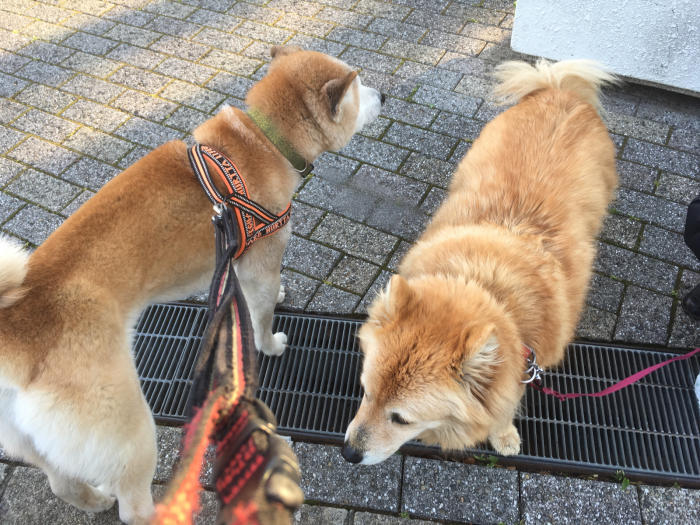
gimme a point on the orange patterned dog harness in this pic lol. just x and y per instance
(254, 221)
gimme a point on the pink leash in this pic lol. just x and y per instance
(617, 386)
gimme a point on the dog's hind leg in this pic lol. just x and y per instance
(77, 493)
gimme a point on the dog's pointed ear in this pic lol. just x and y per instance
(336, 89)
(480, 358)
(281, 51)
(391, 301)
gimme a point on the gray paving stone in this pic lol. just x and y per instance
(231, 84)
(169, 440)
(675, 110)
(644, 317)
(354, 238)
(337, 197)
(427, 169)
(636, 176)
(370, 60)
(656, 210)
(186, 119)
(668, 246)
(406, 221)
(376, 128)
(89, 43)
(353, 37)
(368, 518)
(13, 41)
(97, 144)
(377, 286)
(316, 44)
(135, 154)
(46, 125)
(305, 218)
(133, 35)
(8, 206)
(304, 25)
(46, 52)
(425, 18)
(298, 289)
(317, 515)
(424, 74)
(596, 324)
(550, 499)
(346, 18)
(185, 70)
(458, 492)
(635, 268)
(458, 43)
(122, 13)
(605, 293)
(678, 189)
(43, 155)
(489, 33)
(475, 86)
(420, 53)
(684, 331)
(179, 47)
(4, 469)
(87, 22)
(353, 274)
(31, 485)
(489, 111)
(136, 56)
(331, 299)
(92, 88)
(384, 10)
(91, 64)
(139, 79)
(147, 133)
(231, 62)
(621, 230)
(10, 85)
(140, 105)
(33, 224)
(387, 185)
(8, 170)
(433, 200)
(9, 137)
(205, 17)
(76, 203)
(662, 157)
(295, 6)
(647, 130)
(400, 30)
(457, 126)
(43, 189)
(498, 53)
(420, 140)
(191, 95)
(467, 12)
(669, 506)
(685, 139)
(447, 100)
(10, 63)
(335, 168)
(328, 478)
(373, 152)
(460, 151)
(168, 8)
(466, 64)
(90, 173)
(309, 257)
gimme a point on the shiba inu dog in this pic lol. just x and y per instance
(503, 266)
(70, 400)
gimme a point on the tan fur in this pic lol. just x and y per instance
(506, 261)
(68, 386)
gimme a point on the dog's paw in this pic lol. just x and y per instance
(281, 294)
(506, 443)
(278, 344)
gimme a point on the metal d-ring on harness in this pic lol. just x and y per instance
(533, 371)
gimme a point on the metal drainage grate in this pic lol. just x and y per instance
(651, 430)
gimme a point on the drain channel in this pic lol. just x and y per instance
(651, 430)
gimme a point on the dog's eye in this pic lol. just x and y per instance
(396, 418)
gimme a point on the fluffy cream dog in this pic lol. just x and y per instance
(505, 263)
(70, 400)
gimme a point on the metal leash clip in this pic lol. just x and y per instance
(533, 370)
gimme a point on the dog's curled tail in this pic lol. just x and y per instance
(13, 270)
(517, 79)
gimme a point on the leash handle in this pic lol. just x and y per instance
(563, 396)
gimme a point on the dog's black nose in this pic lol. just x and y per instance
(351, 454)
(383, 98)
